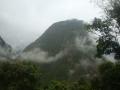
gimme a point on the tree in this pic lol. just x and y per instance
(82, 84)
(108, 37)
(108, 29)
(108, 77)
(19, 76)
(57, 85)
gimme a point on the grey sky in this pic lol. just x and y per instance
(23, 21)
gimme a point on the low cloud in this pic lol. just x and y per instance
(41, 56)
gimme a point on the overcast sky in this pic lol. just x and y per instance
(23, 21)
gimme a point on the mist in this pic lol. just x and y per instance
(83, 42)
(23, 21)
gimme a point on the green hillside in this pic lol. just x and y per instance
(58, 36)
(62, 37)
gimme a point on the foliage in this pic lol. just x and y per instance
(108, 40)
(67, 85)
(108, 29)
(27, 76)
(108, 77)
(82, 84)
(19, 76)
(56, 85)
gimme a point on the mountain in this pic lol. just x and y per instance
(5, 49)
(56, 37)
(65, 51)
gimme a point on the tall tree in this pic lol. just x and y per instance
(108, 29)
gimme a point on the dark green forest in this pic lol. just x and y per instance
(31, 75)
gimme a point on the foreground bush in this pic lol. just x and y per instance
(108, 77)
(19, 76)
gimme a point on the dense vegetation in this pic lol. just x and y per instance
(28, 76)
(19, 76)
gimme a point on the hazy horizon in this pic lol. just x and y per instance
(23, 21)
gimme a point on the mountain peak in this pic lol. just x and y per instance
(58, 36)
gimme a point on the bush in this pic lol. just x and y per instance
(19, 76)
